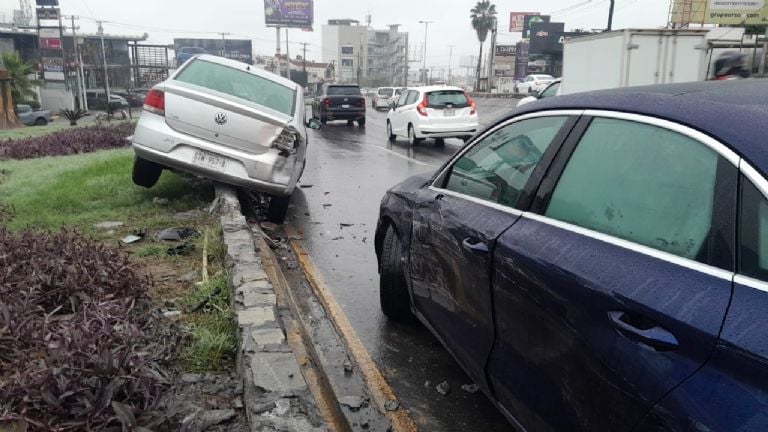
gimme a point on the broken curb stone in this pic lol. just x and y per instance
(470, 388)
(443, 388)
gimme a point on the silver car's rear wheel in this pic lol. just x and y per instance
(145, 173)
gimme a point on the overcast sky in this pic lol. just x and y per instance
(165, 19)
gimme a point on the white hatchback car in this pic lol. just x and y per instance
(437, 112)
(534, 84)
(384, 96)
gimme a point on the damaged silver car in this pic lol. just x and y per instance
(229, 122)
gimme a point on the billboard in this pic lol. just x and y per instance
(235, 49)
(289, 13)
(50, 43)
(727, 12)
(505, 50)
(47, 2)
(547, 38)
(48, 14)
(530, 20)
(517, 20)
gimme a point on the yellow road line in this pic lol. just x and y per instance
(377, 385)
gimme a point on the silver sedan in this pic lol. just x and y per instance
(226, 121)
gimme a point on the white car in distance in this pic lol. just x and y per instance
(533, 84)
(437, 112)
(553, 89)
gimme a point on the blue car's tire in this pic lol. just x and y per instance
(393, 289)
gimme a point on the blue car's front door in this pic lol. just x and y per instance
(613, 290)
(455, 227)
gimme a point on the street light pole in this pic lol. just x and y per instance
(450, 56)
(610, 16)
(224, 43)
(104, 58)
(426, 28)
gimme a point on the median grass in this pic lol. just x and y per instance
(33, 131)
(82, 190)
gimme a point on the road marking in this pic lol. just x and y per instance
(401, 156)
(380, 390)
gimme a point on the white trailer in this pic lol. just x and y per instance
(633, 57)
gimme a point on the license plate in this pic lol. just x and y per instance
(449, 112)
(209, 159)
(345, 106)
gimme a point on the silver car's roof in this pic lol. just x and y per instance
(248, 68)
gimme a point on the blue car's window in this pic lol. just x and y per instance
(497, 168)
(754, 233)
(240, 84)
(641, 183)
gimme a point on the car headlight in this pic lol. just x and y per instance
(287, 141)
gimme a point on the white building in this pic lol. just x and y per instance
(365, 56)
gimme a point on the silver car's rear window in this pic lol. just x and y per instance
(240, 84)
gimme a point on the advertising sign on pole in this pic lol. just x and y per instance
(50, 43)
(48, 14)
(235, 49)
(546, 38)
(50, 33)
(289, 13)
(530, 20)
(517, 20)
(47, 2)
(726, 12)
(505, 50)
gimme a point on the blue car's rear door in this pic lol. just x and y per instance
(613, 289)
(731, 392)
(456, 225)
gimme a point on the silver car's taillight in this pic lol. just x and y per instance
(287, 141)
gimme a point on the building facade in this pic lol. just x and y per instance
(365, 56)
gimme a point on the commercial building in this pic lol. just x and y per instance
(366, 56)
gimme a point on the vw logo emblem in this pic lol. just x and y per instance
(220, 119)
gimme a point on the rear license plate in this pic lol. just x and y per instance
(449, 112)
(345, 106)
(209, 159)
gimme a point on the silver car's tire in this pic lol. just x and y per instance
(390, 136)
(145, 173)
(278, 209)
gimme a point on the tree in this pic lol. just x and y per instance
(483, 17)
(22, 87)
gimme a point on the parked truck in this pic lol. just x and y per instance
(633, 57)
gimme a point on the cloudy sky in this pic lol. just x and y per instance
(165, 19)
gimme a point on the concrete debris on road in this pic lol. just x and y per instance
(353, 402)
(427, 384)
(338, 238)
(327, 205)
(282, 407)
(306, 186)
(109, 225)
(392, 405)
(470, 388)
(443, 388)
(346, 225)
(348, 366)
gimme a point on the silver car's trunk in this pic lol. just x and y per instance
(221, 118)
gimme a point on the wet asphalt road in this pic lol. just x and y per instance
(348, 171)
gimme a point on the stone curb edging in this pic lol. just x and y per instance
(275, 394)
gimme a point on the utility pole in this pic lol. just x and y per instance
(79, 68)
(304, 55)
(277, 53)
(104, 58)
(287, 55)
(426, 28)
(224, 44)
(450, 57)
(610, 16)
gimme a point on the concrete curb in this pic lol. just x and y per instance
(275, 393)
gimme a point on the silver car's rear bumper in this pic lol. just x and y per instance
(266, 172)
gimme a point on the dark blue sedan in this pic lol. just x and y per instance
(599, 262)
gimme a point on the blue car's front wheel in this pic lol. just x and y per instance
(393, 289)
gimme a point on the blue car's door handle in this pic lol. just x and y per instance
(652, 335)
(475, 246)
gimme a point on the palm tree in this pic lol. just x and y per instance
(483, 17)
(22, 87)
